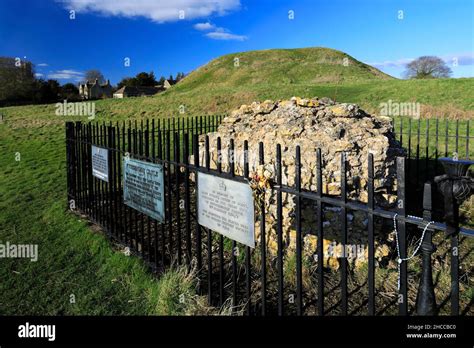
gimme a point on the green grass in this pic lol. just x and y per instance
(436, 137)
(72, 259)
(444, 97)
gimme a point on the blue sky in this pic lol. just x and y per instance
(154, 35)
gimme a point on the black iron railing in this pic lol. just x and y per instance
(249, 280)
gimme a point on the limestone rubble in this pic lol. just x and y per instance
(335, 128)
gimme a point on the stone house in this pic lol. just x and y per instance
(139, 91)
(95, 90)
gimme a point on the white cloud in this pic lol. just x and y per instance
(222, 35)
(42, 64)
(66, 74)
(204, 26)
(39, 75)
(156, 10)
(218, 33)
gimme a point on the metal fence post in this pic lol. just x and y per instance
(401, 227)
(426, 300)
(456, 186)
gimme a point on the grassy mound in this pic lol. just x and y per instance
(281, 66)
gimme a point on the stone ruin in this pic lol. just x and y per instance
(335, 128)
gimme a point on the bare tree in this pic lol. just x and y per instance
(427, 67)
(92, 75)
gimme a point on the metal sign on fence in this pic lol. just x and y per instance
(143, 187)
(227, 207)
(100, 163)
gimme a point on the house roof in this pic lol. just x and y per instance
(121, 90)
(138, 90)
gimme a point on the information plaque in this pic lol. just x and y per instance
(227, 207)
(143, 187)
(100, 163)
